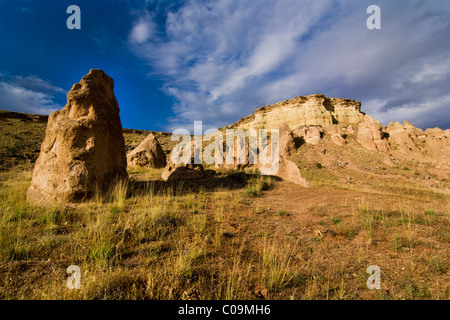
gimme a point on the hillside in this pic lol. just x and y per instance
(22, 135)
(378, 196)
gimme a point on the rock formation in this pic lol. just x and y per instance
(289, 171)
(438, 147)
(410, 143)
(311, 135)
(402, 138)
(84, 150)
(370, 135)
(184, 171)
(284, 169)
(287, 144)
(235, 162)
(336, 136)
(148, 154)
(313, 110)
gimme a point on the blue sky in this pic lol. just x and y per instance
(176, 62)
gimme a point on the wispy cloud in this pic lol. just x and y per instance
(143, 29)
(29, 94)
(25, 10)
(223, 59)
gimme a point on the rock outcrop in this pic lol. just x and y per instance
(287, 143)
(84, 150)
(285, 169)
(239, 160)
(148, 154)
(311, 135)
(438, 147)
(404, 138)
(289, 171)
(410, 143)
(184, 171)
(336, 136)
(313, 110)
(370, 135)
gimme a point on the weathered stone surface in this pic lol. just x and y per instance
(370, 135)
(438, 147)
(402, 137)
(84, 150)
(311, 135)
(336, 136)
(148, 154)
(238, 160)
(286, 141)
(350, 130)
(409, 143)
(174, 172)
(184, 171)
(287, 170)
(313, 110)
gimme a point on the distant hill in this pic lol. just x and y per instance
(22, 135)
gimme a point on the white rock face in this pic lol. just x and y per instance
(313, 110)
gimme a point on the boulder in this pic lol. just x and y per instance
(83, 152)
(148, 154)
(287, 170)
(174, 172)
(184, 171)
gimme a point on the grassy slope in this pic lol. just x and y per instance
(234, 236)
(22, 135)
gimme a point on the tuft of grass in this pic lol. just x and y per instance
(430, 213)
(119, 193)
(103, 252)
(257, 184)
(281, 213)
(364, 210)
(276, 263)
(336, 220)
(377, 217)
(438, 265)
(188, 259)
(252, 191)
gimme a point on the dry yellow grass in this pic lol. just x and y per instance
(234, 236)
(153, 240)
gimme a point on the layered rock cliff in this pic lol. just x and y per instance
(312, 110)
(314, 117)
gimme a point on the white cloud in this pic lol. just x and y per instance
(223, 59)
(143, 29)
(37, 84)
(29, 94)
